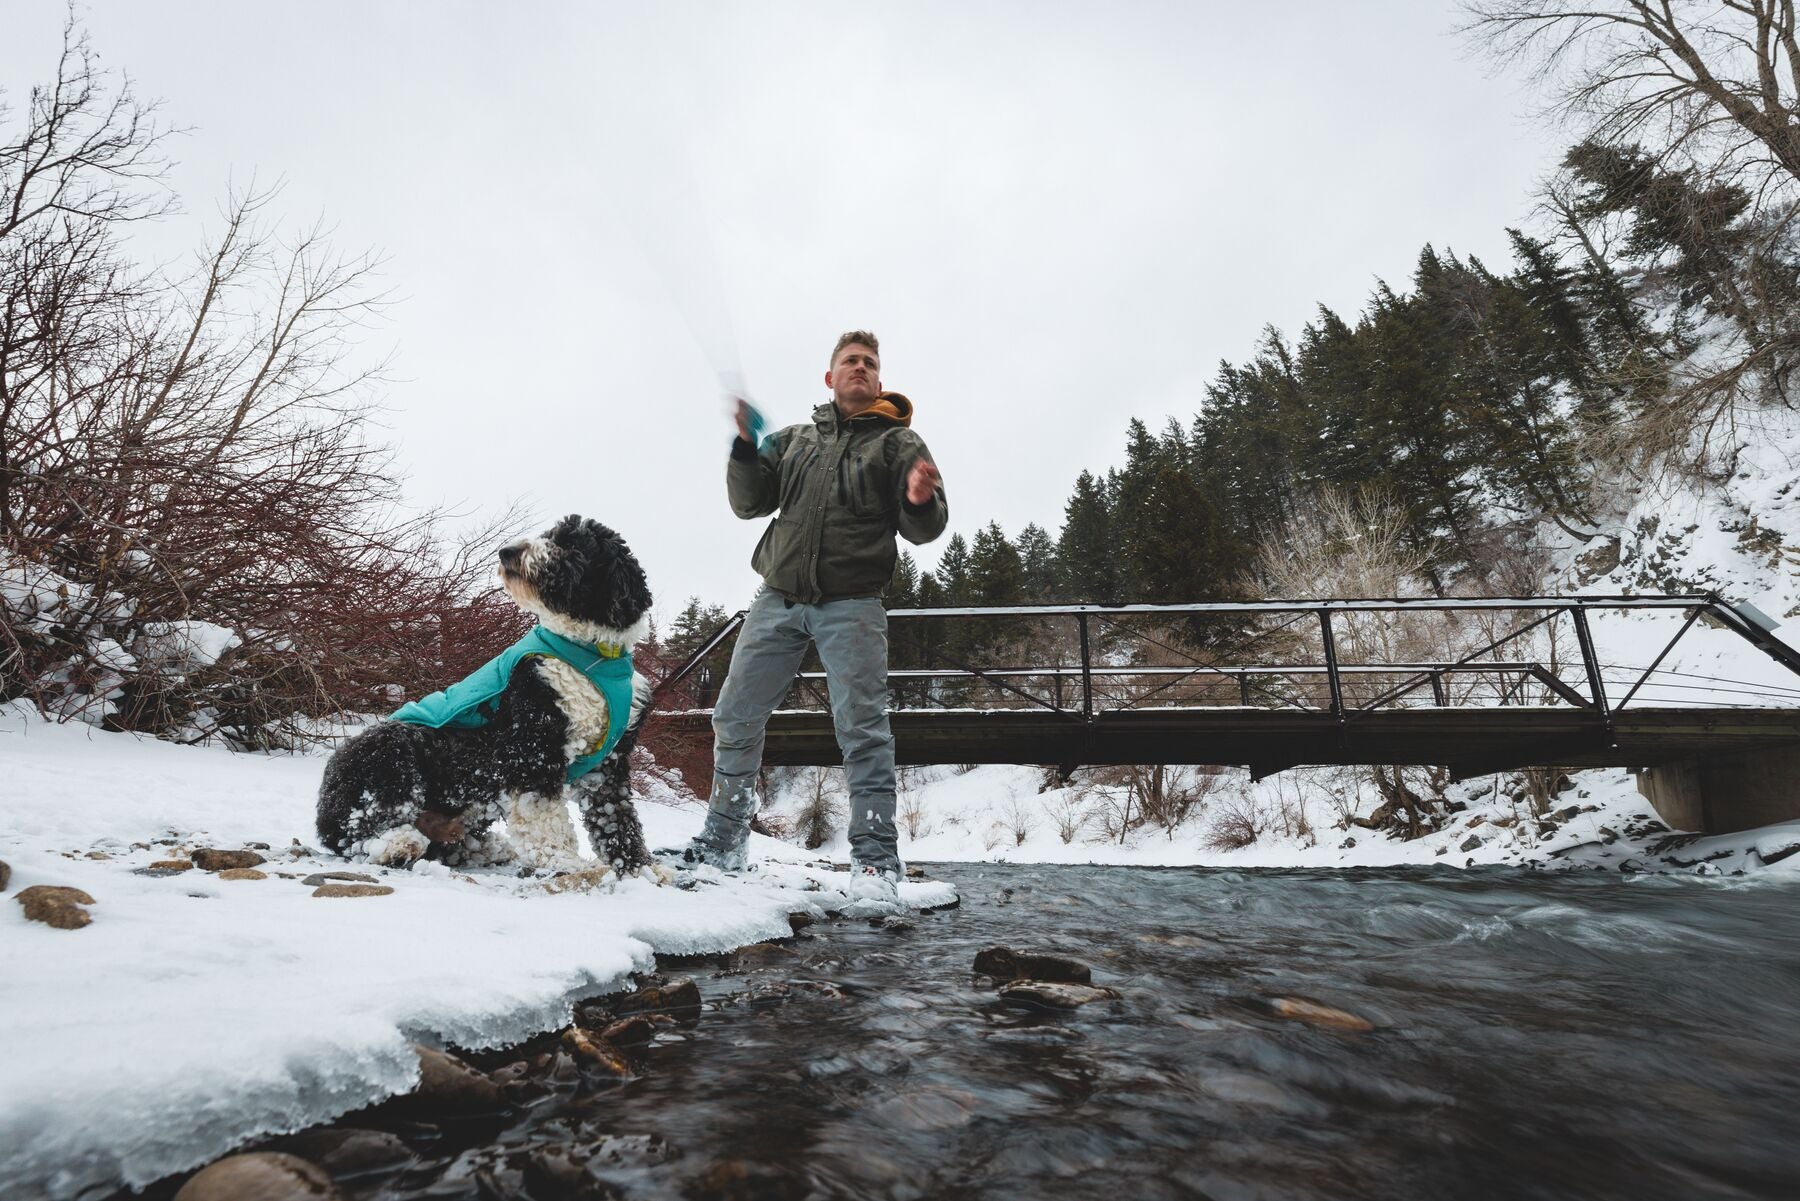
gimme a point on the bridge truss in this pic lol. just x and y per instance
(1474, 684)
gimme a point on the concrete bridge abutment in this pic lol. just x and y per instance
(1721, 794)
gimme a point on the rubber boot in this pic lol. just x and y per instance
(724, 840)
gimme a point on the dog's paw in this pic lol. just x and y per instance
(396, 848)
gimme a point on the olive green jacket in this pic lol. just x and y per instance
(840, 488)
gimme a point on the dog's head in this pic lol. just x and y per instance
(581, 580)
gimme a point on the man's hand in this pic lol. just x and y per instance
(921, 482)
(743, 419)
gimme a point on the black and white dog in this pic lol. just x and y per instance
(401, 791)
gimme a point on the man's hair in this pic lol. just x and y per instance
(856, 337)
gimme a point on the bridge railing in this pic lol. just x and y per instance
(1346, 657)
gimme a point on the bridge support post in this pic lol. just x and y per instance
(1721, 794)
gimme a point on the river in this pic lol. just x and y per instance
(1534, 1035)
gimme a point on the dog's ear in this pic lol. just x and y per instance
(626, 583)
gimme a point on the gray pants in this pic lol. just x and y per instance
(852, 639)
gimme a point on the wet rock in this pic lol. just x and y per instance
(264, 1175)
(914, 872)
(759, 954)
(1472, 842)
(346, 1151)
(630, 1032)
(352, 890)
(896, 925)
(1004, 963)
(208, 859)
(679, 998)
(56, 906)
(242, 873)
(448, 1087)
(1608, 835)
(591, 1049)
(1301, 1010)
(318, 878)
(1347, 844)
(767, 994)
(800, 921)
(1045, 994)
(5, 875)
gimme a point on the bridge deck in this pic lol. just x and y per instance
(1470, 741)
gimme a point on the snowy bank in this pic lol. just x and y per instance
(197, 1011)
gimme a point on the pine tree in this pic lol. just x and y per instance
(1037, 560)
(1088, 555)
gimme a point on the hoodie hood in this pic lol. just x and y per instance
(889, 406)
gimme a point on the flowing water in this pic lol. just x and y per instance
(1534, 1036)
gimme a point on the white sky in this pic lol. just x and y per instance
(1055, 216)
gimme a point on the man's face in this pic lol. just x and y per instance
(855, 375)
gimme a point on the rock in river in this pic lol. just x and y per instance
(1004, 963)
(1045, 994)
(264, 1175)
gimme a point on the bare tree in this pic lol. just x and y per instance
(191, 453)
(1709, 83)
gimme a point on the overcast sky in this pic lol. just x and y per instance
(1056, 216)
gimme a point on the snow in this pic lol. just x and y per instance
(195, 1012)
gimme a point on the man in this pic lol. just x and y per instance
(842, 486)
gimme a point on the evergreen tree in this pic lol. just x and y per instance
(1037, 560)
(1088, 554)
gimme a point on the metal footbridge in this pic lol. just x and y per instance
(1472, 684)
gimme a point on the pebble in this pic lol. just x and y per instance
(56, 906)
(209, 859)
(1301, 1010)
(1004, 963)
(264, 1175)
(318, 878)
(242, 873)
(5, 875)
(591, 1048)
(1045, 994)
(352, 890)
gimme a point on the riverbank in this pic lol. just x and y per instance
(197, 1008)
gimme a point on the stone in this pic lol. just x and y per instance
(352, 890)
(759, 954)
(318, 878)
(166, 867)
(242, 873)
(207, 859)
(346, 1150)
(448, 1086)
(681, 998)
(1471, 843)
(440, 827)
(1567, 813)
(630, 1032)
(914, 872)
(264, 1175)
(5, 875)
(56, 906)
(767, 994)
(1046, 994)
(1770, 848)
(1347, 844)
(800, 921)
(98, 855)
(591, 1048)
(1300, 1010)
(1004, 963)
(745, 1180)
